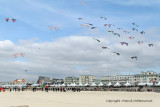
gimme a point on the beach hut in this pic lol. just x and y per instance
(109, 84)
(100, 84)
(117, 84)
(86, 84)
(93, 84)
(127, 84)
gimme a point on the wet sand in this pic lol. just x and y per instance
(79, 99)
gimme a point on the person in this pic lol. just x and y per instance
(10, 89)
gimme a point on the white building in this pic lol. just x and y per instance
(87, 79)
(119, 78)
(144, 77)
(147, 77)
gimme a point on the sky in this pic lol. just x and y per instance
(71, 50)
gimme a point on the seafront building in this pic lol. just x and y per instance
(43, 80)
(122, 79)
(71, 80)
(147, 77)
(89, 79)
(144, 77)
(57, 81)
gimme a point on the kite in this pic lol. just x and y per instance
(22, 54)
(17, 81)
(142, 32)
(96, 40)
(104, 18)
(150, 45)
(83, 3)
(116, 34)
(119, 28)
(134, 29)
(7, 19)
(134, 57)
(84, 25)
(124, 43)
(116, 53)
(81, 19)
(111, 31)
(13, 20)
(131, 37)
(134, 24)
(105, 48)
(140, 42)
(105, 25)
(56, 28)
(50, 27)
(93, 27)
(125, 31)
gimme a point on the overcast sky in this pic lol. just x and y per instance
(71, 50)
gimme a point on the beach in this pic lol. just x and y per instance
(79, 99)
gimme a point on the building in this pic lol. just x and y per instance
(87, 79)
(119, 78)
(57, 81)
(146, 77)
(70, 80)
(43, 80)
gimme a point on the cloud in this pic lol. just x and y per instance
(74, 56)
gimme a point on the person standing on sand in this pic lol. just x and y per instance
(10, 89)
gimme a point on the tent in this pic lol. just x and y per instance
(158, 84)
(73, 85)
(127, 84)
(143, 84)
(93, 84)
(80, 84)
(117, 84)
(86, 84)
(63, 85)
(109, 84)
(101, 84)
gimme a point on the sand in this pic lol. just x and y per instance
(79, 99)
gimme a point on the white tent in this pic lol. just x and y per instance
(57, 85)
(143, 84)
(93, 84)
(109, 84)
(34, 85)
(101, 84)
(117, 84)
(127, 84)
(68, 85)
(158, 84)
(63, 85)
(80, 84)
(73, 85)
(86, 84)
(53, 85)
